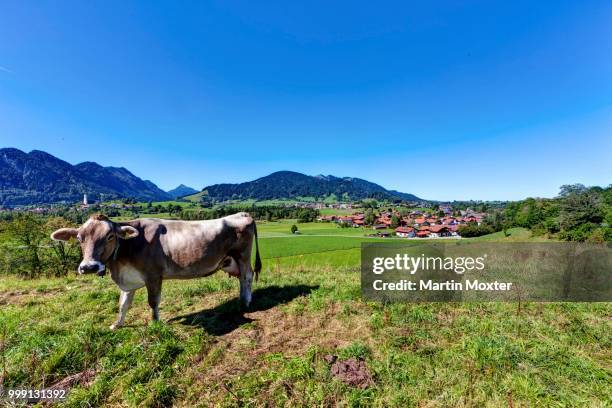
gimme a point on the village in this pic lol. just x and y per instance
(416, 224)
(434, 222)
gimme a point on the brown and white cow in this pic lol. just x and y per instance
(143, 252)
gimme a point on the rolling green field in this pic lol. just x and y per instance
(207, 352)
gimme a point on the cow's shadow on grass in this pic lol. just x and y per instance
(229, 315)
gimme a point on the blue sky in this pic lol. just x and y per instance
(452, 100)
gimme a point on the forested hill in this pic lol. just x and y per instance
(289, 184)
(39, 177)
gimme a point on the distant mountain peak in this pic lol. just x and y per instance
(181, 191)
(39, 177)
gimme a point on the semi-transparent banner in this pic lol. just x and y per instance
(486, 271)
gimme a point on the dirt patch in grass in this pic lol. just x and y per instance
(23, 297)
(83, 378)
(351, 371)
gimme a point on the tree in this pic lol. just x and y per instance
(395, 221)
(26, 234)
(579, 207)
(568, 189)
(403, 211)
(63, 255)
(369, 217)
(294, 229)
(306, 215)
(472, 229)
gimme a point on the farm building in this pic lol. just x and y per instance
(420, 221)
(405, 232)
(437, 231)
(345, 220)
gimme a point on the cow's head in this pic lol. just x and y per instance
(99, 238)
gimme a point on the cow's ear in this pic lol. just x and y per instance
(64, 234)
(127, 232)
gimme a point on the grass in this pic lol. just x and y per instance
(283, 228)
(338, 211)
(206, 352)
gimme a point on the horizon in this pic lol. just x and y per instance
(477, 101)
(312, 175)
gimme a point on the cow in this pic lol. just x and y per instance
(144, 252)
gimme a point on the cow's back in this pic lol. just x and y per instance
(196, 248)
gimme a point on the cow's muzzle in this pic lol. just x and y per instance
(92, 267)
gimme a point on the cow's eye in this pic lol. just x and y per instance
(110, 237)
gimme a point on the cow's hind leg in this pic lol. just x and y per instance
(125, 301)
(154, 297)
(246, 282)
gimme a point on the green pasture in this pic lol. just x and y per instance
(283, 228)
(207, 352)
(337, 211)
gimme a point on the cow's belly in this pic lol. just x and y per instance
(130, 278)
(228, 264)
(189, 272)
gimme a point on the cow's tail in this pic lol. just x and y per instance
(257, 258)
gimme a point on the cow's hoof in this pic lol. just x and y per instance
(113, 326)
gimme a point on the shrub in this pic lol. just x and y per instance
(28, 251)
(472, 229)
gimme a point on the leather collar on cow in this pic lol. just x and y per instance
(113, 256)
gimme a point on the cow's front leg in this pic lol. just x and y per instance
(125, 301)
(154, 296)
(246, 281)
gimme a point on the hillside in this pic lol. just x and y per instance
(306, 309)
(181, 191)
(39, 177)
(289, 184)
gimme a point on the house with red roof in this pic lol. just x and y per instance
(345, 220)
(438, 231)
(405, 232)
(326, 218)
(420, 221)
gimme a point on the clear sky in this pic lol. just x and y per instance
(446, 100)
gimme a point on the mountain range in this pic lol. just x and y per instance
(39, 177)
(290, 184)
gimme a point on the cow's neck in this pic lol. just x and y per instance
(116, 250)
(121, 248)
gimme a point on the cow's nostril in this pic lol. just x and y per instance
(89, 268)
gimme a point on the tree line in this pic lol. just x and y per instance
(578, 214)
(268, 213)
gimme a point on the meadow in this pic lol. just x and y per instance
(207, 352)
